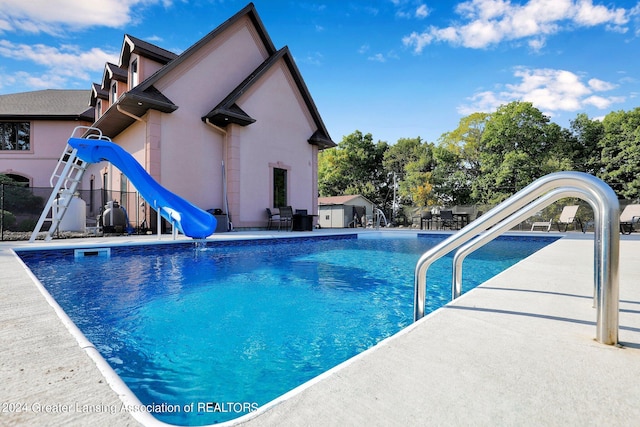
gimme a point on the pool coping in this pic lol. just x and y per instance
(284, 409)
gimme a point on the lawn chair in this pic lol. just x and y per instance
(569, 216)
(286, 217)
(273, 218)
(545, 224)
(426, 218)
(448, 220)
(629, 216)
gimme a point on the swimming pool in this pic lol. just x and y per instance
(229, 326)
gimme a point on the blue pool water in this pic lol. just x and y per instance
(230, 326)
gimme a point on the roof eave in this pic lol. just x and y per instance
(131, 106)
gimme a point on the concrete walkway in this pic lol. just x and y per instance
(518, 350)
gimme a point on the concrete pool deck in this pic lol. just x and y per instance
(518, 350)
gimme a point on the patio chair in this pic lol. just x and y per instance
(629, 216)
(569, 216)
(286, 217)
(273, 218)
(545, 224)
(426, 218)
(423, 217)
(448, 220)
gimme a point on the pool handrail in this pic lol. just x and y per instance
(560, 184)
(513, 220)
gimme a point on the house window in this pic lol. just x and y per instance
(98, 109)
(114, 93)
(15, 136)
(134, 73)
(279, 187)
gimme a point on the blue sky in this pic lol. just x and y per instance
(392, 68)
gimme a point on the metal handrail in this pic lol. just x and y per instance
(380, 215)
(524, 203)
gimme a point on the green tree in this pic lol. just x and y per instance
(621, 152)
(355, 167)
(514, 151)
(411, 160)
(458, 160)
(583, 146)
(18, 198)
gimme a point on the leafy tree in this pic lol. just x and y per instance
(621, 152)
(458, 160)
(411, 160)
(354, 167)
(18, 198)
(583, 146)
(514, 151)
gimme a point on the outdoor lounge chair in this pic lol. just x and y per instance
(569, 216)
(629, 216)
(546, 224)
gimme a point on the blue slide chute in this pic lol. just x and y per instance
(189, 219)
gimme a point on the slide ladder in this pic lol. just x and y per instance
(65, 180)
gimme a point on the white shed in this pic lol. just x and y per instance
(344, 211)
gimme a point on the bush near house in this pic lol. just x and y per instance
(18, 198)
(7, 220)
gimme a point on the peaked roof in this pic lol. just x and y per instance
(228, 111)
(248, 11)
(134, 45)
(97, 93)
(113, 72)
(49, 104)
(145, 96)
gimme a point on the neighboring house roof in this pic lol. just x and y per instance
(340, 200)
(50, 104)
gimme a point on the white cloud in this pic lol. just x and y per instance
(61, 64)
(549, 90)
(602, 102)
(489, 22)
(313, 58)
(600, 86)
(378, 57)
(422, 11)
(537, 44)
(52, 17)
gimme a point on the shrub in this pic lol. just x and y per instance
(8, 219)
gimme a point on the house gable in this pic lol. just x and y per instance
(228, 111)
(132, 45)
(149, 93)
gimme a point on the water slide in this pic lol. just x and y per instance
(189, 219)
